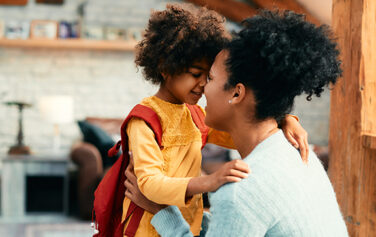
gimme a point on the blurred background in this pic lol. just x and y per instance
(67, 79)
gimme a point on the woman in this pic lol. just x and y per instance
(252, 85)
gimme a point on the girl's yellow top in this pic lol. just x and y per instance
(163, 175)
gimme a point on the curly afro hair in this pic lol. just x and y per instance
(177, 37)
(279, 55)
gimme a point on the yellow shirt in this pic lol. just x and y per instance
(163, 175)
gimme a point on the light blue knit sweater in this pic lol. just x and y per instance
(281, 197)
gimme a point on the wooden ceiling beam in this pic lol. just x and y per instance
(286, 5)
(231, 9)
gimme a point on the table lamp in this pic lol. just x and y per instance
(19, 148)
(57, 110)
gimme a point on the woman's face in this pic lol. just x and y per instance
(188, 87)
(218, 108)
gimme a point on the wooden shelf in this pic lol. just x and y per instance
(70, 44)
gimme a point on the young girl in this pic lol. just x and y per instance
(178, 48)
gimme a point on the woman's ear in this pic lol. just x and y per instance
(238, 93)
(164, 75)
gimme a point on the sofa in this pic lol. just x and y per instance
(90, 157)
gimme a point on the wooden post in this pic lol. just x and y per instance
(352, 136)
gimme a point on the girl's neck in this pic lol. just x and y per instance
(166, 95)
(247, 136)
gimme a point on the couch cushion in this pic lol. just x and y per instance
(100, 139)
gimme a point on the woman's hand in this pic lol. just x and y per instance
(296, 135)
(232, 171)
(133, 192)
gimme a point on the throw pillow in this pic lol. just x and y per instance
(100, 139)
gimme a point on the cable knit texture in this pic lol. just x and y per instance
(281, 197)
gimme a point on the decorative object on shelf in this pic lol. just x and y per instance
(43, 29)
(13, 2)
(64, 29)
(115, 33)
(17, 30)
(52, 2)
(94, 32)
(69, 30)
(19, 148)
(56, 109)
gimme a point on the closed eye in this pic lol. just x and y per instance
(208, 78)
(196, 75)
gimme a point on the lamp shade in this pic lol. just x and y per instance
(56, 109)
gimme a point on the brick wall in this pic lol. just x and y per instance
(102, 83)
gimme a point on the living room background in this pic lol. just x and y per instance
(102, 83)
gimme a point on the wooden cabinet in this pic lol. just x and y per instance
(18, 171)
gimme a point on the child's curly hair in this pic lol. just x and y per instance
(177, 37)
(279, 56)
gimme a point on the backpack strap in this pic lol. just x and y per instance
(134, 212)
(152, 120)
(198, 117)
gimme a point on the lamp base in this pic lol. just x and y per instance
(19, 150)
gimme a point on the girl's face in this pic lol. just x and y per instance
(218, 108)
(188, 86)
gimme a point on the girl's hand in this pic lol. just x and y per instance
(230, 172)
(134, 194)
(296, 135)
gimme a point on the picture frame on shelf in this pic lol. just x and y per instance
(93, 32)
(115, 33)
(16, 29)
(69, 29)
(43, 29)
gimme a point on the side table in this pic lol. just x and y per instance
(15, 171)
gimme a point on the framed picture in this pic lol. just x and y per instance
(41, 29)
(16, 29)
(93, 32)
(114, 33)
(13, 2)
(69, 29)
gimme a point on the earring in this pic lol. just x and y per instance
(230, 101)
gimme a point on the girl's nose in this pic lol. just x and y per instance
(203, 82)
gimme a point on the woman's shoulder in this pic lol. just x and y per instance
(254, 185)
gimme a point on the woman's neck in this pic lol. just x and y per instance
(247, 136)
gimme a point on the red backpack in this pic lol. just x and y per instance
(110, 193)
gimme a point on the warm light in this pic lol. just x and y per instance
(57, 109)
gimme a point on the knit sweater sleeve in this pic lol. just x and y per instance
(148, 167)
(227, 219)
